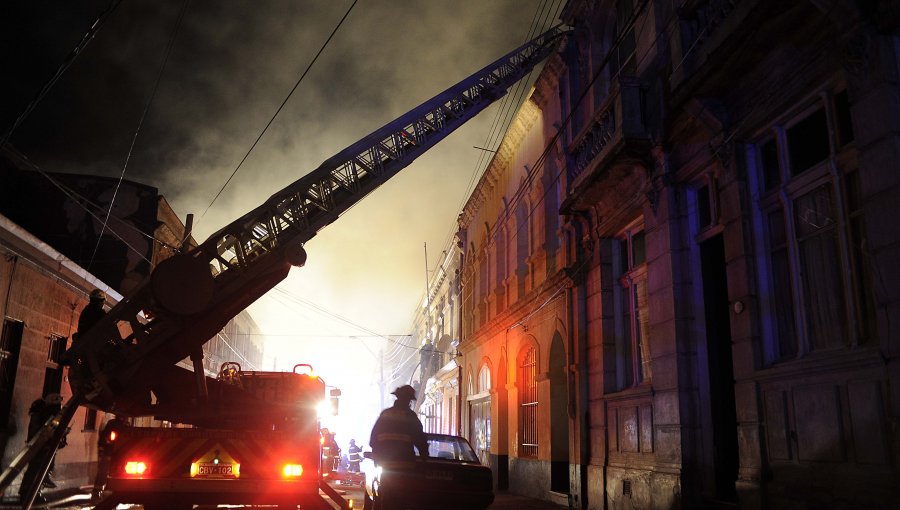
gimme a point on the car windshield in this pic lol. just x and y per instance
(450, 448)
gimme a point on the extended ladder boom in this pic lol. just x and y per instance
(190, 297)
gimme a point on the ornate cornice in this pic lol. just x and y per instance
(525, 118)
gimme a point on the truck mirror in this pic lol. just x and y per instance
(367, 455)
(334, 406)
(335, 392)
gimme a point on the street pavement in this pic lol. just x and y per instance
(507, 501)
(79, 498)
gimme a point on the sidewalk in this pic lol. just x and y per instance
(507, 501)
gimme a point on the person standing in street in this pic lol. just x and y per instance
(398, 432)
(354, 457)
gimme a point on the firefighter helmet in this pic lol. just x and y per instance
(405, 392)
(98, 295)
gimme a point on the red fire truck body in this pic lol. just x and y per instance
(266, 450)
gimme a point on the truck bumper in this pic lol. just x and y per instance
(216, 491)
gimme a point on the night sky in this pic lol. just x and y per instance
(230, 66)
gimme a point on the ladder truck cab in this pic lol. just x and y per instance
(262, 447)
(255, 434)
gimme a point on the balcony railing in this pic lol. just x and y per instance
(619, 120)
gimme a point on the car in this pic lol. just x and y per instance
(451, 477)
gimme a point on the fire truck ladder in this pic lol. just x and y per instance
(191, 296)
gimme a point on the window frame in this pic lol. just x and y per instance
(631, 321)
(832, 174)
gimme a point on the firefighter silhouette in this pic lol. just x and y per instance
(398, 430)
(354, 457)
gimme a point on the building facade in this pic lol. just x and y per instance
(679, 270)
(437, 326)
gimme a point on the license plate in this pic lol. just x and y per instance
(213, 469)
(439, 475)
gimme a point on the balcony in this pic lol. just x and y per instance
(618, 127)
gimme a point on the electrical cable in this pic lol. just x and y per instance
(278, 110)
(137, 131)
(79, 48)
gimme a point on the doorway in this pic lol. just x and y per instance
(559, 418)
(720, 365)
(10, 346)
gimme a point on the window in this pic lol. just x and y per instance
(528, 401)
(500, 263)
(480, 413)
(622, 58)
(484, 379)
(56, 345)
(90, 419)
(630, 294)
(704, 207)
(522, 246)
(811, 217)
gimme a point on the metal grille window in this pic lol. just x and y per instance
(809, 208)
(529, 404)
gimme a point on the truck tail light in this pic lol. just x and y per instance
(135, 468)
(292, 471)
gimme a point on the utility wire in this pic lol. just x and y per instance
(137, 131)
(88, 37)
(283, 103)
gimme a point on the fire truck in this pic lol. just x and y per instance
(257, 441)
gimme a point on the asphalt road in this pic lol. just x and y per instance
(506, 501)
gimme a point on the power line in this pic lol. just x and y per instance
(137, 131)
(277, 111)
(79, 48)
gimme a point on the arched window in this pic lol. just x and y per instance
(480, 414)
(500, 264)
(528, 403)
(484, 379)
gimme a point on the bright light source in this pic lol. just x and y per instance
(323, 409)
(292, 470)
(113, 436)
(135, 468)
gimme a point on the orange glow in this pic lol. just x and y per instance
(113, 436)
(135, 468)
(292, 471)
